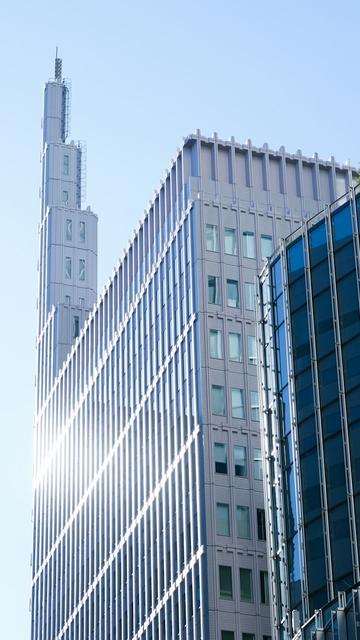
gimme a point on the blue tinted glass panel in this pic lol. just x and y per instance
(317, 242)
(311, 485)
(290, 502)
(318, 599)
(300, 339)
(279, 310)
(294, 571)
(281, 356)
(358, 209)
(323, 320)
(304, 394)
(334, 468)
(344, 260)
(348, 307)
(331, 419)
(354, 434)
(351, 363)
(340, 541)
(295, 256)
(353, 405)
(320, 279)
(315, 555)
(297, 293)
(276, 273)
(341, 225)
(307, 434)
(284, 410)
(328, 380)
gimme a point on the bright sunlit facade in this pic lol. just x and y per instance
(310, 336)
(148, 502)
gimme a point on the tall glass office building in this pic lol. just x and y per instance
(310, 336)
(148, 487)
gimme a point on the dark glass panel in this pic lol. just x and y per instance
(353, 405)
(348, 305)
(358, 209)
(320, 278)
(317, 242)
(318, 600)
(354, 436)
(300, 339)
(284, 410)
(315, 555)
(344, 260)
(341, 225)
(276, 273)
(334, 469)
(309, 466)
(279, 310)
(351, 363)
(331, 419)
(294, 571)
(323, 321)
(328, 381)
(304, 393)
(287, 450)
(295, 255)
(307, 434)
(297, 293)
(290, 502)
(340, 541)
(281, 356)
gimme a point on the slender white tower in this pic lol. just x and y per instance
(68, 237)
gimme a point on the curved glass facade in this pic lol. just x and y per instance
(310, 337)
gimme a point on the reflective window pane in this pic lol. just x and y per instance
(68, 268)
(218, 400)
(237, 403)
(212, 237)
(243, 522)
(254, 401)
(240, 460)
(220, 457)
(230, 241)
(261, 524)
(235, 347)
(264, 587)
(225, 579)
(222, 519)
(252, 351)
(216, 343)
(246, 594)
(68, 230)
(249, 244)
(249, 296)
(82, 269)
(258, 469)
(213, 290)
(82, 231)
(232, 292)
(266, 245)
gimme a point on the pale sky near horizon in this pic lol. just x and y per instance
(144, 74)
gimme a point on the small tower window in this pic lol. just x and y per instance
(82, 231)
(66, 165)
(76, 327)
(69, 230)
(65, 197)
(68, 268)
(82, 269)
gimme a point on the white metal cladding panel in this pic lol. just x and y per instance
(117, 499)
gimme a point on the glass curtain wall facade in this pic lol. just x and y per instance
(310, 338)
(148, 475)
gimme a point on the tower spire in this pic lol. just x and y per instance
(58, 67)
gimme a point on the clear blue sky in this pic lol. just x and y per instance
(144, 74)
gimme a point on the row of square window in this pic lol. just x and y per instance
(68, 269)
(232, 293)
(243, 523)
(240, 461)
(69, 230)
(218, 404)
(234, 344)
(246, 585)
(230, 242)
(230, 635)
